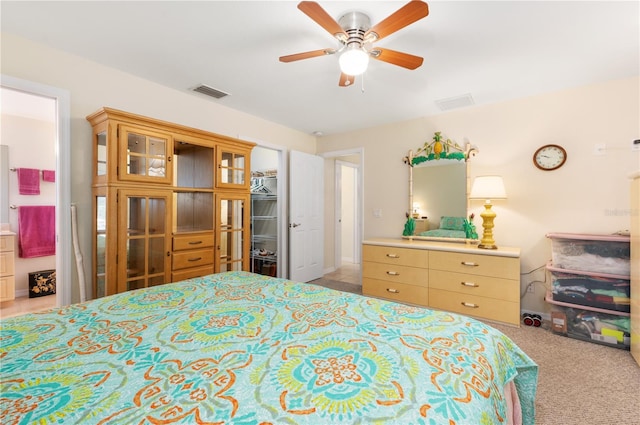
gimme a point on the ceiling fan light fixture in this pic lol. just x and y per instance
(354, 60)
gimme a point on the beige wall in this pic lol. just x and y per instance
(588, 194)
(93, 86)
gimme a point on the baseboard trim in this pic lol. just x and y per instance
(329, 270)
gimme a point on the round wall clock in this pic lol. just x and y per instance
(549, 157)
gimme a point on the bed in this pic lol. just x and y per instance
(241, 348)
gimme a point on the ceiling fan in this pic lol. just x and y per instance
(355, 34)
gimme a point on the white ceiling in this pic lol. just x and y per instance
(493, 51)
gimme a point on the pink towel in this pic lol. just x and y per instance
(28, 181)
(36, 231)
(48, 175)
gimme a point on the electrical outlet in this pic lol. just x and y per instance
(531, 288)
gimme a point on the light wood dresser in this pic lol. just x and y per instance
(7, 266)
(456, 277)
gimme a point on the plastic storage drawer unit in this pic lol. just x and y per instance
(591, 325)
(606, 291)
(591, 253)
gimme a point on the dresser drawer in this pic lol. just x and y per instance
(7, 263)
(183, 274)
(193, 258)
(201, 240)
(476, 264)
(395, 273)
(392, 255)
(395, 291)
(472, 305)
(7, 288)
(484, 286)
(6, 243)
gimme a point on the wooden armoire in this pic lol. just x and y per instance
(170, 202)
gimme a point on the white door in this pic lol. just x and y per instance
(306, 217)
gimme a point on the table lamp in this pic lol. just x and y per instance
(488, 188)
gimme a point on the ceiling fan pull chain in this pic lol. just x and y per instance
(362, 83)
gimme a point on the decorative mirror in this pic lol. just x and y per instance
(438, 192)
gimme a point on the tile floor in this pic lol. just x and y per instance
(24, 305)
(348, 272)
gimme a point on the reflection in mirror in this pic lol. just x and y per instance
(438, 192)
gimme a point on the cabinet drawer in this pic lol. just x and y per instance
(392, 255)
(484, 286)
(7, 288)
(6, 243)
(472, 305)
(194, 258)
(201, 240)
(395, 291)
(477, 264)
(6, 263)
(179, 275)
(395, 273)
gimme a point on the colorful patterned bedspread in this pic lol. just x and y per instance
(239, 348)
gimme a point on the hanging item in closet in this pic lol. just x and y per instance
(28, 181)
(36, 231)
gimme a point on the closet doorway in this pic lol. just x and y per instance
(268, 211)
(37, 114)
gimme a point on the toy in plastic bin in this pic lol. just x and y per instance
(532, 319)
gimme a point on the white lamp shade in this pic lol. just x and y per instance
(353, 61)
(488, 187)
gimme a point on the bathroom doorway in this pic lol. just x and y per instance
(35, 131)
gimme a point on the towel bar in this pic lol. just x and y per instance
(15, 169)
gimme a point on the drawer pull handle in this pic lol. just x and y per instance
(470, 284)
(469, 263)
(470, 305)
(392, 273)
(393, 256)
(393, 291)
(195, 242)
(195, 259)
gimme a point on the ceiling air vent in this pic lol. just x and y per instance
(210, 91)
(455, 102)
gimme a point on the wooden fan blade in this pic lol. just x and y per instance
(321, 17)
(406, 15)
(393, 57)
(306, 55)
(346, 80)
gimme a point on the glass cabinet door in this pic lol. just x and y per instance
(233, 168)
(145, 236)
(145, 155)
(232, 216)
(100, 288)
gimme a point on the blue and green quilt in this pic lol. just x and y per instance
(240, 348)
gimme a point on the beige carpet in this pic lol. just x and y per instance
(579, 383)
